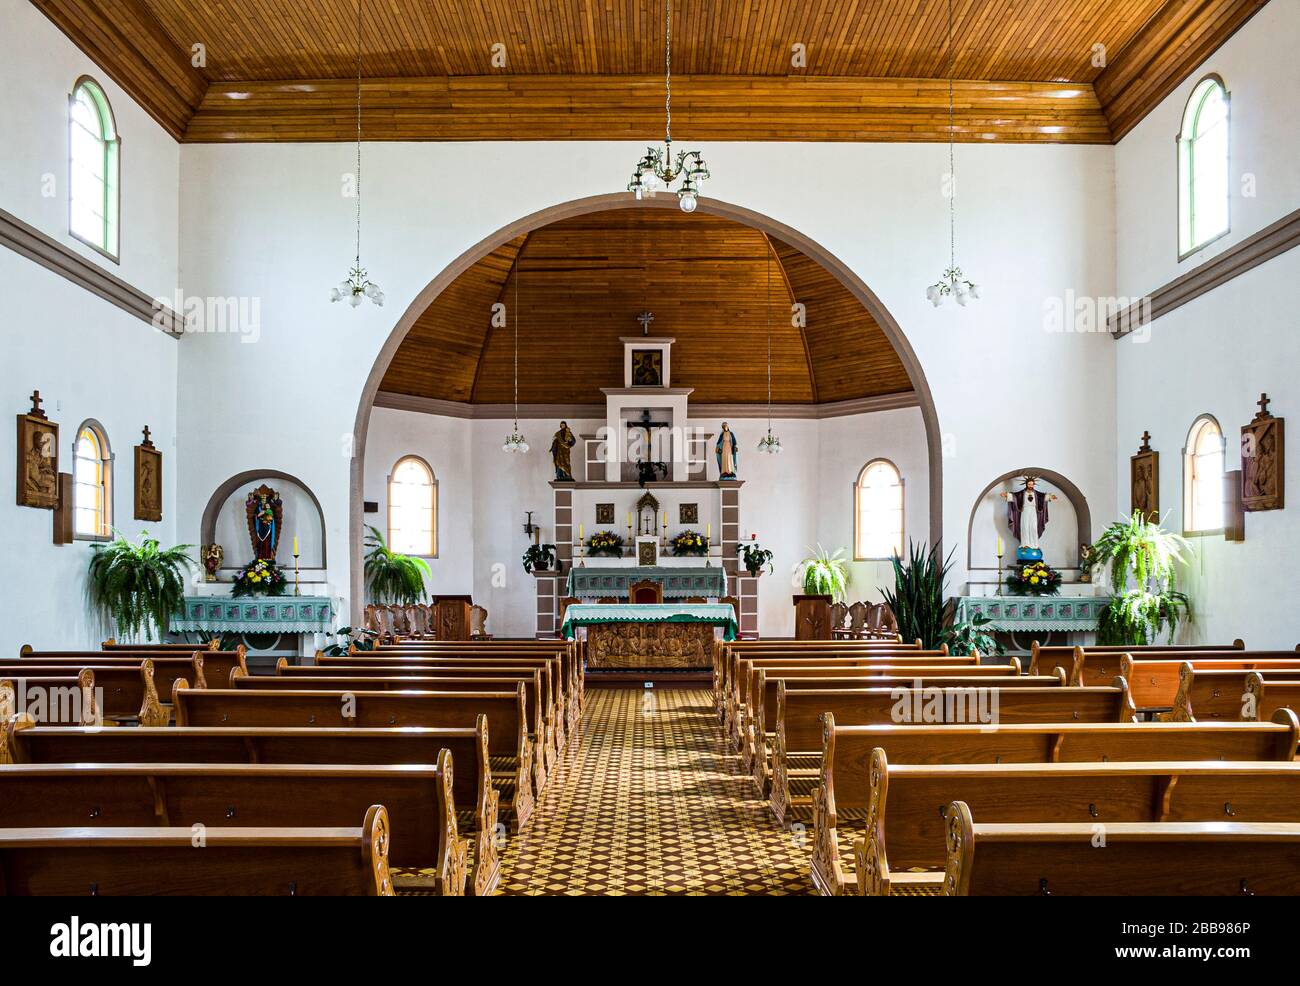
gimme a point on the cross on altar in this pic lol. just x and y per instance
(645, 318)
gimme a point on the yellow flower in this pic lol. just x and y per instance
(1033, 579)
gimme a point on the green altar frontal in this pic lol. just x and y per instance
(255, 614)
(679, 583)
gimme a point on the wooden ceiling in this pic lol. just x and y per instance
(592, 69)
(581, 283)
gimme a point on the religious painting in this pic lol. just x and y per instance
(1262, 477)
(38, 458)
(647, 368)
(148, 480)
(1144, 481)
(688, 513)
(604, 513)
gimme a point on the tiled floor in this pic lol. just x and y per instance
(648, 800)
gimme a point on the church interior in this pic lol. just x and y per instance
(616, 449)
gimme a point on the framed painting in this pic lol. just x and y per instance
(38, 458)
(604, 513)
(647, 368)
(1144, 481)
(688, 513)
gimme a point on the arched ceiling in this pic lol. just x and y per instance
(580, 285)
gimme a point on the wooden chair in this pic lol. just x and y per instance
(858, 613)
(478, 616)
(839, 613)
(608, 601)
(693, 600)
(646, 591)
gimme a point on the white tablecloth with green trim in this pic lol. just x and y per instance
(1015, 613)
(588, 614)
(255, 614)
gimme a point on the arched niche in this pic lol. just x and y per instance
(225, 523)
(988, 521)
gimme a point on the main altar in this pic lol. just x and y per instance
(649, 636)
(678, 581)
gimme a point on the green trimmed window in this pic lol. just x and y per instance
(1203, 167)
(93, 169)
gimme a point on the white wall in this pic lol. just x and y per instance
(1219, 352)
(268, 222)
(88, 358)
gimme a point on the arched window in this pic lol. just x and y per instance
(1203, 477)
(92, 478)
(878, 511)
(413, 508)
(1203, 175)
(93, 151)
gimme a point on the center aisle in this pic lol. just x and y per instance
(647, 800)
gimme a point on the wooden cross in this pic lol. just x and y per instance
(1146, 442)
(1263, 403)
(147, 443)
(36, 411)
(645, 318)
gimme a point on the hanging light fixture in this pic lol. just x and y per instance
(516, 442)
(769, 444)
(358, 285)
(657, 171)
(953, 283)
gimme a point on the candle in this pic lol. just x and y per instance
(999, 545)
(665, 518)
(708, 530)
(295, 545)
(629, 519)
(582, 532)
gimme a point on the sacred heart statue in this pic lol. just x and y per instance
(265, 513)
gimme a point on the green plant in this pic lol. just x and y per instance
(392, 577)
(138, 585)
(826, 574)
(971, 636)
(754, 556)
(360, 639)
(1150, 555)
(540, 557)
(917, 598)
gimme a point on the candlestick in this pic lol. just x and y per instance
(582, 532)
(295, 545)
(297, 590)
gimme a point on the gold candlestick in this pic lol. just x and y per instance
(297, 591)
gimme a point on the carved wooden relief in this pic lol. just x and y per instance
(1144, 481)
(148, 480)
(1262, 465)
(38, 458)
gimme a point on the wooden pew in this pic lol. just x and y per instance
(475, 799)
(797, 744)
(216, 664)
(1156, 684)
(902, 830)
(562, 699)
(510, 752)
(1090, 667)
(1050, 657)
(124, 692)
(1266, 696)
(60, 700)
(107, 862)
(110, 644)
(761, 731)
(540, 727)
(1212, 692)
(166, 668)
(841, 793)
(418, 799)
(1147, 859)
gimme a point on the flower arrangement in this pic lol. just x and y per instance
(605, 543)
(689, 543)
(1034, 579)
(260, 578)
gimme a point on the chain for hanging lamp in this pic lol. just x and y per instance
(515, 441)
(769, 444)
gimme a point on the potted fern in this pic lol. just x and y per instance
(1145, 553)
(138, 585)
(826, 574)
(392, 577)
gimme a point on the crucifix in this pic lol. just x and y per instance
(648, 426)
(645, 318)
(36, 411)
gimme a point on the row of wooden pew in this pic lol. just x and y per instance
(419, 757)
(922, 772)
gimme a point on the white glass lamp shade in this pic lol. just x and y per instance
(688, 201)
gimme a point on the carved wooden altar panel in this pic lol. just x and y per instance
(649, 645)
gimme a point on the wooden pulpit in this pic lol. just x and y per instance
(451, 617)
(812, 617)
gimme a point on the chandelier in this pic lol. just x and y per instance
(769, 444)
(358, 285)
(953, 283)
(658, 171)
(515, 442)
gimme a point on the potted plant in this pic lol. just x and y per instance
(973, 636)
(754, 556)
(1034, 579)
(1148, 554)
(138, 586)
(392, 577)
(917, 598)
(826, 574)
(605, 543)
(260, 578)
(689, 543)
(346, 638)
(539, 558)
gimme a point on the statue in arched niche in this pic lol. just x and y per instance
(1027, 517)
(265, 513)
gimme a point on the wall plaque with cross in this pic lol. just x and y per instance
(1144, 481)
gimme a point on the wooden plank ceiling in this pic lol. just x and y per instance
(592, 69)
(581, 283)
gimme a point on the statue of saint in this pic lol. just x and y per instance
(728, 453)
(264, 511)
(1027, 518)
(563, 441)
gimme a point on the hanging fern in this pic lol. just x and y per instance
(392, 577)
(138, 586)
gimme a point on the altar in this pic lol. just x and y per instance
(649, 636)
(679, 581)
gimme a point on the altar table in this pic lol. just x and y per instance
(1046, 613)
(649, 635)
(679, 582)
(255, 614)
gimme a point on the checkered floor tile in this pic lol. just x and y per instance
(649, 800)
